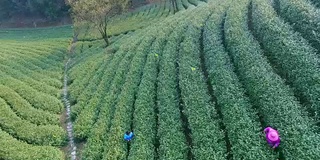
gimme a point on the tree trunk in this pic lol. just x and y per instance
(106, 39)
(102, 27)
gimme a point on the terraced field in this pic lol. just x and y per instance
(30, 98)
(199, 84)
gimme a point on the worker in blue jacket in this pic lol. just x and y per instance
(128, 136)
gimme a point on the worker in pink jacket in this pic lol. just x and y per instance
(272, 137)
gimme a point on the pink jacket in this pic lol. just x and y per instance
(271, 143)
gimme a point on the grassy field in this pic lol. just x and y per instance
(199, 84)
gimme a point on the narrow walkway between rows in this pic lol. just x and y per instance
(72, 148)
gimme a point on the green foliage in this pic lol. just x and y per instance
(29, 69)
(38, 100)
(44, 8)
(39, 86)
(115, 148)
(316, 3)
(38, 35)
(77, 88)
(180, 5)
(275, 101)
(25, 110)
(304, 17)
(185, 3)
(292, 56)
(92, 104)
(194, 94)
(30, 82)
(240, 119)
(13, 149)
(37, 62)
(170, 132)
(144, 122)
(140, 18)
(97, 139)
(26, 131)
(194, 2)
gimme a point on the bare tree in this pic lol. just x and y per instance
(97, 13)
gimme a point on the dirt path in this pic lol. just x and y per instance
(71, 147)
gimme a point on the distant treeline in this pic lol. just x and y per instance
(50, 9)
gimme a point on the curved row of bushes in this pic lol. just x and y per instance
(39, 86)
(121, 120)
(91, 104)
(144, 116)
(31, 133)
(276, 102)
(29, 69)
(239, 117)
(304, 17)
(291, 55)
(37, 99)
(42, 63)
(25, 110)
(13, 149)
(97, 137)
(195, 94)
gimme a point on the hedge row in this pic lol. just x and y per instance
(96, 71)
(24, 66)
(97, 137)
(164, 10)
(88, 85)
(35, 50)
(85, 70)
(144, 122)
(83, 89)
(43, 60)
(25, 110)
(84, 63)
(115, 148)
(39, 86)
(170, 131)
(12, 149)
(32, 63)
(37, 60)
(207, 138)
(26, 131)
(180, 5)
(185, 4)
(304, 17)
(87, 116)
(121, 121)
(36, 99)
(294, 58)
(194, 2)
(54, 51)
(275, 101)
(240, 119)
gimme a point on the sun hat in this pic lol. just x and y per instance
(273, 136)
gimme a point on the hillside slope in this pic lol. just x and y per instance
(197, 84)
(200, 84)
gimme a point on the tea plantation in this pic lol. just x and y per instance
(199, 84)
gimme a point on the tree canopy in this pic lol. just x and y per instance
(50, 9)
(97, 13)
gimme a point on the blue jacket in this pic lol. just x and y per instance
(128, 137)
